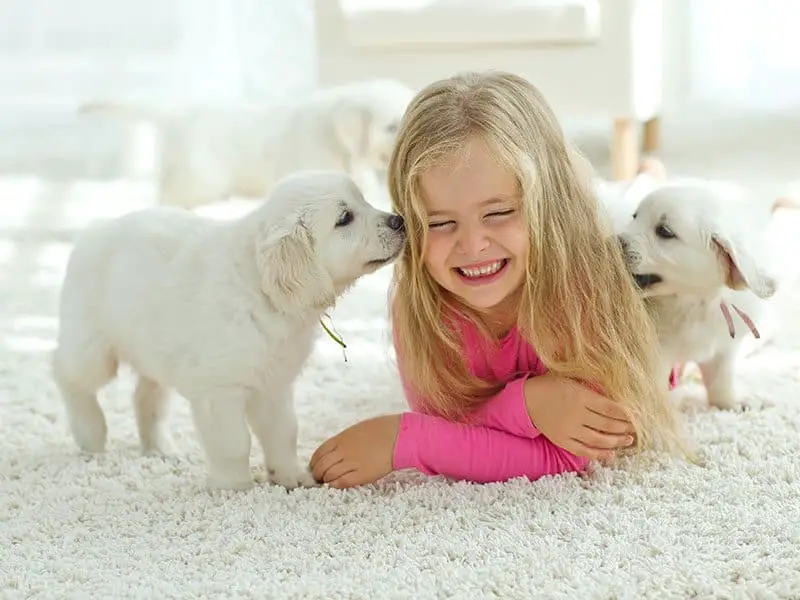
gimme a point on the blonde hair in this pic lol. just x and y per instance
(578, 306)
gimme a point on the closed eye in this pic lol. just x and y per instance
(439, 224)
(501, 213)
(664, 232)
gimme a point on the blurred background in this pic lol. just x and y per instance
(719, 73)
(712, 87)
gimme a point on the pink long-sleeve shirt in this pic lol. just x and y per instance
(501, 443)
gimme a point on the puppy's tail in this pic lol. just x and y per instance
(785, 202)
(126, 111)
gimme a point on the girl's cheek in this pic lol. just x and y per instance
(437, 251)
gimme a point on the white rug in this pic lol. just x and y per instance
(124, 526)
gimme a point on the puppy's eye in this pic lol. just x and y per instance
(634, 215)
(345, 218)
(664, 232)
(392, 127)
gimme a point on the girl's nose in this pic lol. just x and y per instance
(473, 240)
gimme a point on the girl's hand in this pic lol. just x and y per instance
(360, 454)
(576, 418)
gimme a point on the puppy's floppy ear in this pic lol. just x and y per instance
(741, 266)
(350, 124)
(291, 277)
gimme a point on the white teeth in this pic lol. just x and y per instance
(483, 271)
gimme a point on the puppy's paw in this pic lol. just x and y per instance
(725, 402)
(292, 478)
(229, 483)
(233, 475)
(753, 402)
(160, 445)
(90, 434)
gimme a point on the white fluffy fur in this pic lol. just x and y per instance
(719, 254)
(223, 312)
(210, 153)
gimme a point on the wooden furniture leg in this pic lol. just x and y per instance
(652, 135)
(624, 151)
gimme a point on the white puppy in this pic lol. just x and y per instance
(223, 312)
(210, 153)
(699, 253)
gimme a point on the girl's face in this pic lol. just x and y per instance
(477, 241)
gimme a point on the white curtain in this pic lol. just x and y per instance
(745, 55)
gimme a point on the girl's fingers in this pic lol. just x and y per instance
(578, 448)
(339, 474)
(326, 447)
(605, 424)
(603, 441)
(600, 405)
(347, 480)
(324, 464)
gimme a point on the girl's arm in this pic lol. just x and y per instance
(505, 411)
(500, 443)
(436, 446)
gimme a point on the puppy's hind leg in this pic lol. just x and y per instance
(274, 423)
(150, 402)
(718, 378)
(79, 371)
(219, 415)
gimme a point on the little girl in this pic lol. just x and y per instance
(522, 344)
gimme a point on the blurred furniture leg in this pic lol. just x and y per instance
(592, 59)
(624, 149)
(652, 135)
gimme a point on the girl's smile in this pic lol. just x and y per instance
(483, 273)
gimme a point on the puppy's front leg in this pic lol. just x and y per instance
(274, 423)
(221, 421)
(718, 375)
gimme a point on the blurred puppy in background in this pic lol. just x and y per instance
(212, 153)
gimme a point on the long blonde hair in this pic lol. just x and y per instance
(578, 306)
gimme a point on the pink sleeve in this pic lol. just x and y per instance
(500, 443)
(436, 446)
(505, 411)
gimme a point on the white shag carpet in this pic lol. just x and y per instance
(125, 526)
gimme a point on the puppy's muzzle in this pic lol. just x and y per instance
(393, 241)
(623, 244)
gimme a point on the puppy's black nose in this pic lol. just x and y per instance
(395, 222)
